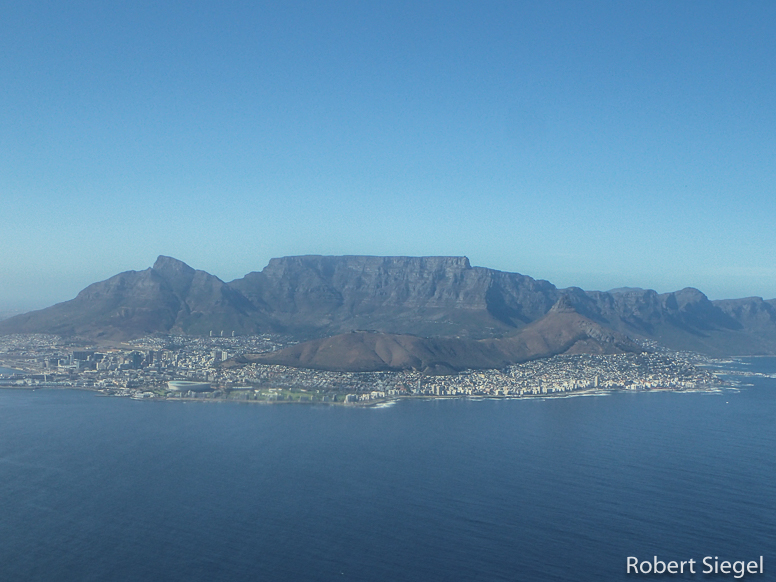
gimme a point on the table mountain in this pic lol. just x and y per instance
(311, 297)
(430, 296)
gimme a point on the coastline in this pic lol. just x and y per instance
(157, 376)
(383, 402)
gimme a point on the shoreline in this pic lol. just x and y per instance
(387, 402)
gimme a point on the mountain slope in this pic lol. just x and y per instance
(685, 320)
(562, 330)
(310, 297)
(170, 297)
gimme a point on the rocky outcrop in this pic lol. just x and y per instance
(421, 295)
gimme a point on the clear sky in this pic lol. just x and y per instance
(598, 144)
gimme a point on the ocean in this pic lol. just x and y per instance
(104, 489)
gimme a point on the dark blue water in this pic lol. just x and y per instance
(8, 371)
(95, 488)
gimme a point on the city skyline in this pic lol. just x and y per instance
(596, 145)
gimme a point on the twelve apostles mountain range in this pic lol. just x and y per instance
(421, 311)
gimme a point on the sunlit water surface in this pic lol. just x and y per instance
(104, 489)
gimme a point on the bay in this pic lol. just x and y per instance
(95, 488)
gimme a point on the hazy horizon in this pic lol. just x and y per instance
(597, 145)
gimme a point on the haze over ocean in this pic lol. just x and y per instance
(598, 144)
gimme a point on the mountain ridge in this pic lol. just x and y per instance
(313, 296)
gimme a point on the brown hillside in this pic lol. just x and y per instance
(562, 330)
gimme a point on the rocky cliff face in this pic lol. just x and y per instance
(170, 297)
(126, 305)
(421, 295)
(685, 320)
(316, 296)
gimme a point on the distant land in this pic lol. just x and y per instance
(421, 312)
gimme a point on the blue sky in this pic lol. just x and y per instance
(598, 144)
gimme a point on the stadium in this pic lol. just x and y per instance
(186, 386)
